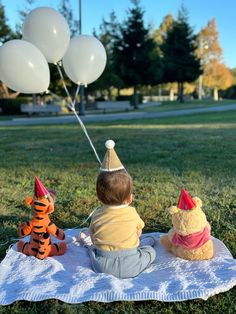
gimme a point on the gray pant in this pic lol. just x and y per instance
(122, 264)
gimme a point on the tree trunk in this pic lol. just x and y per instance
(159, 90)
(215, 94)
(181, 92)
(135, 96)
(171, 95)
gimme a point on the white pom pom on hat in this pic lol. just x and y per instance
(110, 144)
(111, 161)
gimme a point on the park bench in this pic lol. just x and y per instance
(31, 109)
(113, 105)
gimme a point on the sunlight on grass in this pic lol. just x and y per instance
(162, 155)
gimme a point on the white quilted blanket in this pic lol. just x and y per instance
(70, 278)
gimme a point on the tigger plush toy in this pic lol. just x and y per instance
(40, 227)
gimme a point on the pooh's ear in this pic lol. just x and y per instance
(197, 201)
(173, 210)
(28, 200)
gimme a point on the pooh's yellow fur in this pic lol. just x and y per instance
(186, 222)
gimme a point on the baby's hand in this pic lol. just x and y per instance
(139, 232)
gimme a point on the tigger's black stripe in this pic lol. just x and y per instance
(38, 210)
(46, 235)
(28, 224)
(35, 240)
(56, 247)
(23, 247)
(63, 238)
(39, 218)
(57, 232)
(34, 249)
(50, 223)
(22, 232)
(40, 204)
(38, 227)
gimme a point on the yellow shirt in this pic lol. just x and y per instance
(114, 228)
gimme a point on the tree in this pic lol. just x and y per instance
(5, 31)
(217, 76)
(109, 30)
(22, 15)
(215, 73)
(66, 10)
(6, 34)
(159, 36)
(179, 61)
(136, 60)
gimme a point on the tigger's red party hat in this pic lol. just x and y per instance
(39, 190)
(185, 202)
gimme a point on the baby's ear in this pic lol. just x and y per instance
(173, 210)
(28, 200)
(197, 201)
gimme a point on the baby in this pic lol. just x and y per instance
(115, 228)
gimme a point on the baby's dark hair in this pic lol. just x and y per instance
(114, 188)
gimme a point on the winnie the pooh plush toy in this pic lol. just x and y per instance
(190, 236)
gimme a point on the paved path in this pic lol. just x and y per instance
(114, 116)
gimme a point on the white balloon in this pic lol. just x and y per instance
(48, 30)
(85, 59)
(23, 67)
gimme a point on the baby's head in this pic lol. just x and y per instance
(114, 184)
(114, 188)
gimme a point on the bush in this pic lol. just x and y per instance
(130, 98)
(11, 106)
(229, 93)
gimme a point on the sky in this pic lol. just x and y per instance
(200, 12)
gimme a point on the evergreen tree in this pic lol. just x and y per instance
(179, 60)
(22, 15)
(6, 34)
(5, 31)
(109, 30)
(135, 55)
(66, 10)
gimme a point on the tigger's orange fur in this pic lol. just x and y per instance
(40, 227)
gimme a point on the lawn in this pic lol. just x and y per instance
(188, 104)
(197, 152)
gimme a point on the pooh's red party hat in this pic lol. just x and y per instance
(185, 201)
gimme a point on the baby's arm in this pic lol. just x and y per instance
(139, 232)
(91, 232)
(140, 226)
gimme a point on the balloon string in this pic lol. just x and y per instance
(72, 107)
(64, 85)
(86, 133)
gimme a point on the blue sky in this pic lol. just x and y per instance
(200, 12)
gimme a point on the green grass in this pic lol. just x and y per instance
(197, 151)
(175, 105)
